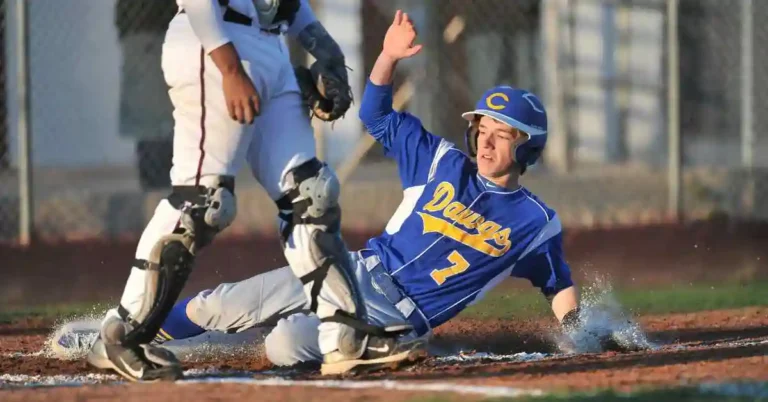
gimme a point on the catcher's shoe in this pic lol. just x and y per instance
(380, 353)
(140, 363)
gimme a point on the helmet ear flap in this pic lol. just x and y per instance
(528, 153)
(470, 136)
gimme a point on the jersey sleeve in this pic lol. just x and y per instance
(546, 267)
(303, 17)
(206, 21)
(400, 133)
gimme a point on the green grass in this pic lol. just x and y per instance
(757, 391)
(504, 303)
(62, 311)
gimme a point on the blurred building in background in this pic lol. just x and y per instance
(101, 121)
(4, 152)
(145, 113)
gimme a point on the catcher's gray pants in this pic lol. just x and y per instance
(277, 298)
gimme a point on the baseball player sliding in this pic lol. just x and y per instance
(464, 225)
(237, 98)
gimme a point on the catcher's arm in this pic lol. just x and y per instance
(316, 40)
(325, 85)
(240, 94)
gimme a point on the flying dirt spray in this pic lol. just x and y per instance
(606, 325)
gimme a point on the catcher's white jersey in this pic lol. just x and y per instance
(207, 142)
(247, 8)
(242, 6)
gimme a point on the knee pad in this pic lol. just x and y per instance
(312, 196)
(311, 239)
(206, 211)
(313, 246)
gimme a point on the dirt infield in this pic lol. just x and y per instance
(692, 348)
(727, 345)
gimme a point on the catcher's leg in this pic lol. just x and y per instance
(307, 194)
(209, 148)
(156, 281)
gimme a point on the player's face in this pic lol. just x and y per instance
(496, 142)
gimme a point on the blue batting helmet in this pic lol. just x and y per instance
(518, 108)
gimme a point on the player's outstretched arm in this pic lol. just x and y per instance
(377, 98)
(398, 44)
(401, 134)
(548, 270)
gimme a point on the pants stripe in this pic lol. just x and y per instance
(202, 117)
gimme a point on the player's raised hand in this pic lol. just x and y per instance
(400, 38)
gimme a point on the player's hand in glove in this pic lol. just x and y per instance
(400, 38)
(325, 89)
(598, 336)
(243, 102)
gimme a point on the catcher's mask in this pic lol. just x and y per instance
(517, 108)
(272, 12)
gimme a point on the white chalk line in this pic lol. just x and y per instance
(482, 356)
(247, 377)
(40, 353)
(244, 379)
(715, 345)
(393, 385)
(752, 390)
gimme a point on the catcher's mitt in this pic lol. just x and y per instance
(325, 89)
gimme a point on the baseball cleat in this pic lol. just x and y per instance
(73, 342)
(146, 363)
(97, 355)
(381, 353)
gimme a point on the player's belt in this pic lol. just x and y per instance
(236, 17)
(387, 286)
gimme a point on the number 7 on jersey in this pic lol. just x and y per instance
(458, 265)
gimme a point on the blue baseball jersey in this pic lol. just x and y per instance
(456, 235)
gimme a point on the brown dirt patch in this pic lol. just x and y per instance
(711, 251)
(695, 348)
(208, 392)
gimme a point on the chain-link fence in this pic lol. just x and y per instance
(101, 122)
(602, 68)
(8, 211)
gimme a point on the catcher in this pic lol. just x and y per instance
(236, 98)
